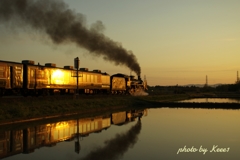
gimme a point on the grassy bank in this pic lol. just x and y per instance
(13, 109)
(31, 107)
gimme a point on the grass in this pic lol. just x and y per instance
(31, 107)
(20, 108)
(165, 98)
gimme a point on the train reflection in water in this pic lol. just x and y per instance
(26, 140)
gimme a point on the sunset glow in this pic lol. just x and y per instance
(175, 42)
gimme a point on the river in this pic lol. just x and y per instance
(160, 133)
(213, 100)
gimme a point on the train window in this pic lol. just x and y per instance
(92, 126)
(104, 79)
(99, 79)
(80, 74)
(2, 71)
(84, 77)
(84, 128)
(80, 78)
(73, 73)
(2, 74)
(32, 73)
(18, 72)
(88, 78)
(96, 125)
(2, 68)
(18, 68)
(40, 74)
(88, 127)
(92, 78)
(58, 76)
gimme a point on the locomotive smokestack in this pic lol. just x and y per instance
(139, 78)
(62, 25)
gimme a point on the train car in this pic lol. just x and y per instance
(89, 82)
(34, 78)
(119, 118)
(49, 79)
(11, 77)
(118, 84)
(11, 143)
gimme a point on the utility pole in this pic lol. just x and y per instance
(206, 80)
(77, 143)
(237, 77)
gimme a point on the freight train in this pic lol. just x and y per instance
(28, 78)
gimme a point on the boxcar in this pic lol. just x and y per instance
(11, 77)
(118, 84)
(34, 78)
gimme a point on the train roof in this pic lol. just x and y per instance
(52, 65)
(120, 75)
(3, 61)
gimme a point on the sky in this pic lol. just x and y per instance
(176, 42)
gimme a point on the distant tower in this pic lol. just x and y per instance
(206, 84)
(238, 81)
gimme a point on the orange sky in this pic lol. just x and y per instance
(175, 42)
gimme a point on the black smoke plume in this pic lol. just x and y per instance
(62, 25)
(116, 147)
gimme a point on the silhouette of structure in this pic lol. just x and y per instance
(238, 81)
(206, 84)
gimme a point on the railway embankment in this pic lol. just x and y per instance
(21, 109)
(34, 108)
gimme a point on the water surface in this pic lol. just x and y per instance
(159, 134)
(213, 100)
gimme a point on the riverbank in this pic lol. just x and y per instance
(25, 108)
(21, 109)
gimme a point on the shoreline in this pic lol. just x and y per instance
(25, 109)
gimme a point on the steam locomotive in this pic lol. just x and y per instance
(28, 78)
